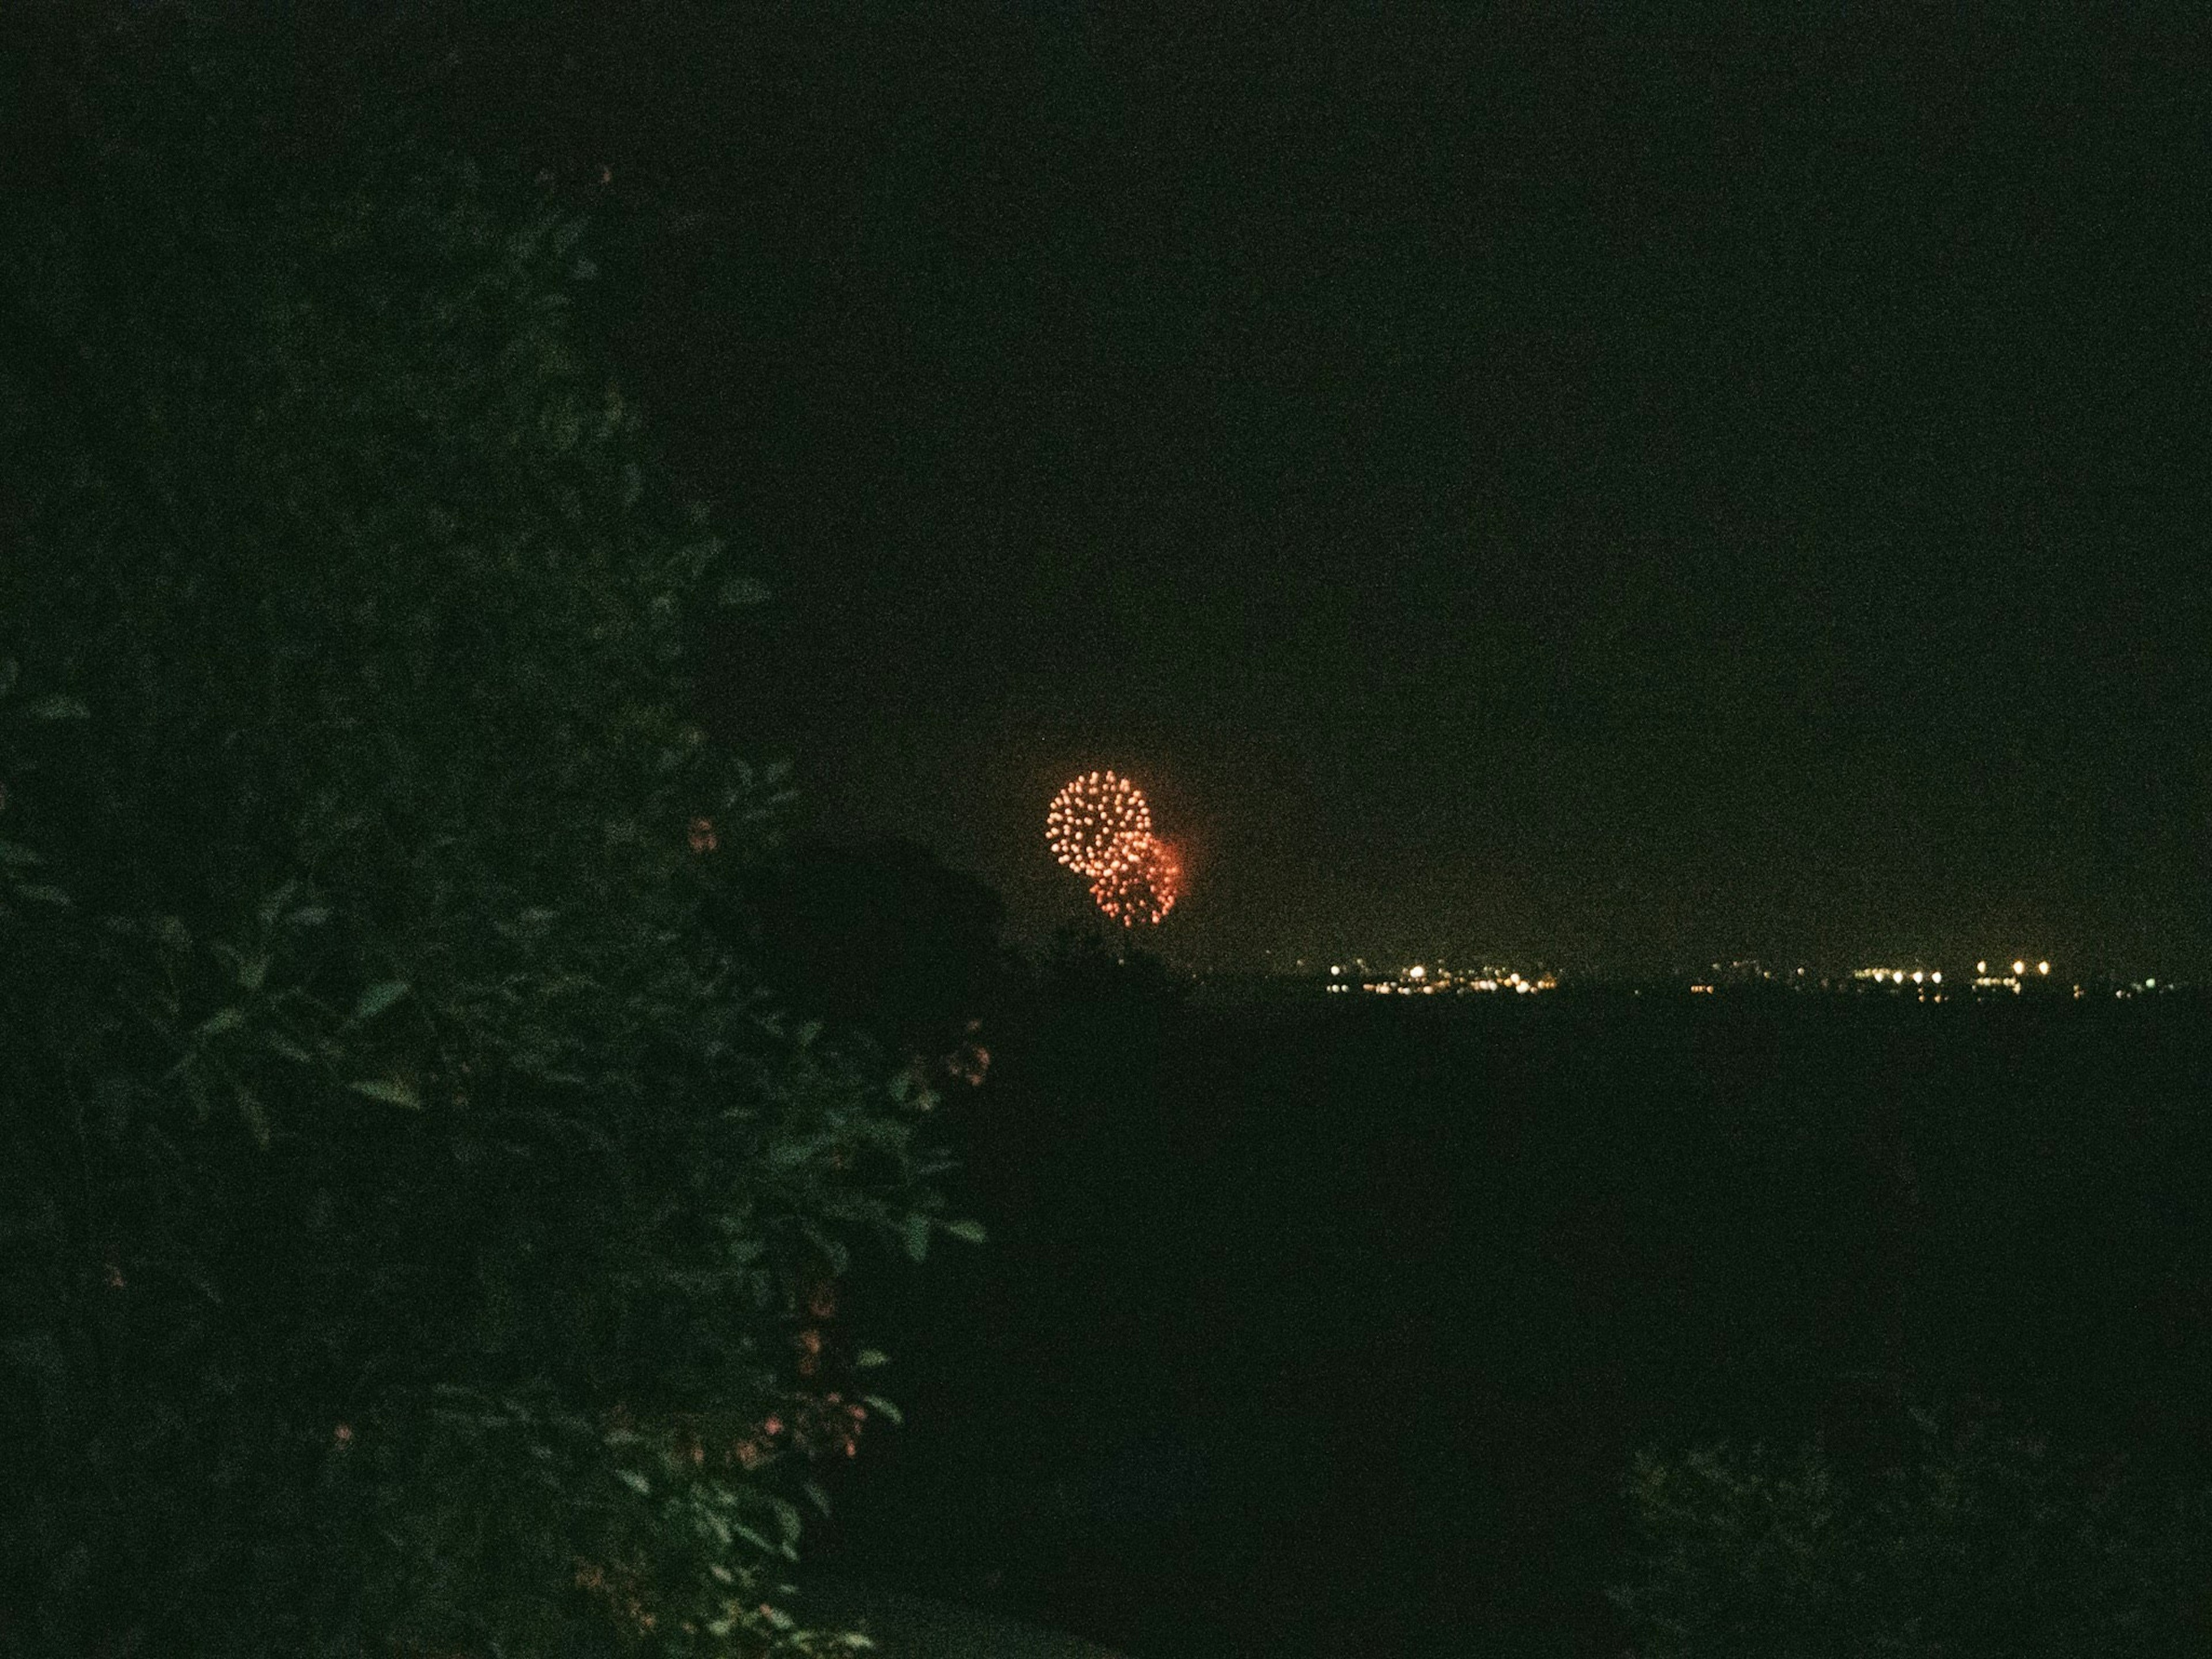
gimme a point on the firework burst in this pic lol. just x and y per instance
(1141, 884)
(1096, 821)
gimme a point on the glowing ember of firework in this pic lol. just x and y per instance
(1095, 822)
(1142, 885)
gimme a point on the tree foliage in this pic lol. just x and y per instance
(418, 1224)
(1980, 1540)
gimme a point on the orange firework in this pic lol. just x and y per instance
(1142, 885)
(1096, 821)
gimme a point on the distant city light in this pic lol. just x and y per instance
(1930, 985)
(1436, 979)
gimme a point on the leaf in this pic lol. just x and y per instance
(274, 904)
(636, 1482)
(742, 590)
(309, 916)
(971, 1232)
(876, 1402)
(57, 707)
(39, 893)
(281, 1044)
(251, 975)
(223, 1019)
(917, 1237)
(868, 1359)
(172, 932)
(788, 1154)
(396, 1094)
(16, 852)
(379, 997)
(256, 1121)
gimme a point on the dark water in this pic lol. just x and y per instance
(1330, 1328)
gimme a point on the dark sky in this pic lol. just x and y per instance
(1522, 482)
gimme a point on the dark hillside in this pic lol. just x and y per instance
(1362, 1307)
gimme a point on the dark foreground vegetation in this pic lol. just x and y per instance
(420, 1223)
(1396, 1327)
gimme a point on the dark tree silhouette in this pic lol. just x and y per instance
(415, 1219)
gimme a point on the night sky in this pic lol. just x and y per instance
(1523, 484)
